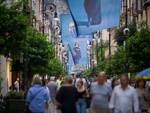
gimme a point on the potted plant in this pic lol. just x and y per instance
(15, 102)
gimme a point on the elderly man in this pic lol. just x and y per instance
(100, 93)
(124, 98)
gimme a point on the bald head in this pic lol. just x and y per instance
(101, 77)
(124, 80)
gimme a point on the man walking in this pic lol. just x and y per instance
(100, 93)
(124, 98)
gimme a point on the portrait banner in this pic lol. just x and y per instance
(76, 45)
(93, 15)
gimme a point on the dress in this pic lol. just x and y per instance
(67, 97)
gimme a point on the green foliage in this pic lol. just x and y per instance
(19, 40)
(38, 52)
(55, 68)
(138, 50)
(15, 95)
(112, 65)
(116, 63)
(88, 72)
(12, 29)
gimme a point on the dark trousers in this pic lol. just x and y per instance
(36, 112)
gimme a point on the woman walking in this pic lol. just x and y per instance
(142, 95)
(82, 94)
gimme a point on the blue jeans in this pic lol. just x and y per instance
(81, 106)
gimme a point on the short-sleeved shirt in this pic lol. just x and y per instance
(100, 95)
(67, 96)
(124, 101)
(37, 97)
(16, 85)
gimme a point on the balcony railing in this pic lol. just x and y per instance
(146, 3)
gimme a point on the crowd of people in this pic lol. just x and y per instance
(72, 94)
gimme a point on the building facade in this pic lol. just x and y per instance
(5, 74)
(136, 11)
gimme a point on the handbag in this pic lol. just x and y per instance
(88, 98)
(27, 106)
(88, 102)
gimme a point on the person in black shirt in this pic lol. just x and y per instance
(82, 94)
(67, 97)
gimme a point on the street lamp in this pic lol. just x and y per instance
(126, 32)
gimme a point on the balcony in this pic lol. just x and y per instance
(146, 3)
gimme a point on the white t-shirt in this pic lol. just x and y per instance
(16, 85)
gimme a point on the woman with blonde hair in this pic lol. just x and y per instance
(37, 96)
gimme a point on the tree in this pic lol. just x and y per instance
(12, 29)
(55, 68)
(29, 49)
(138, 50)
(37, 52)
(116, 63)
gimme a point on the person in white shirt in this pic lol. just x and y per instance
(100, 94)
(86, 82)
(16, 84)
(124, 98)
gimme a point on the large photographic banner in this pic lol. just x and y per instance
(77, 46)
(93, 15)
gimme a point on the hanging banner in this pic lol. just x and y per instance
(93, 15)
(77, 46)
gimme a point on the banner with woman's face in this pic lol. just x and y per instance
(77, 45)
(93, 15)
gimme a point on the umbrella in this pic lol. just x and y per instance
(144, 74)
